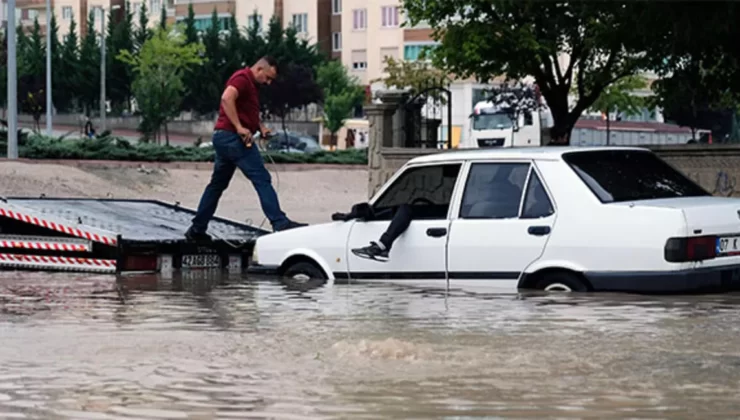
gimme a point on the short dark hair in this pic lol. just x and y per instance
(270, 60)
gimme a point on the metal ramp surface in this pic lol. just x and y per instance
(114, 235)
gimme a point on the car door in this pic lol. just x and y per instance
(418, 256)
(500, 227)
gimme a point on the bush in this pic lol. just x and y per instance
(116, 148)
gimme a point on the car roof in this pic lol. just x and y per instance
(535, 153)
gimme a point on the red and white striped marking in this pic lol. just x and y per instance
(57, 263)
(45, 243)
(105, 239)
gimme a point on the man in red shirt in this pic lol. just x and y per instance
(238, 120)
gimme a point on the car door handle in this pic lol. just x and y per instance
(436, 232)
(538, 230)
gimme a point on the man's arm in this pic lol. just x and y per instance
(228, 99)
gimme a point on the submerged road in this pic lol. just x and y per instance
(204, 346)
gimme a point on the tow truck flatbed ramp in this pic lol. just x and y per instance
(115, 235)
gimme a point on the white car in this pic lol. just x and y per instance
(548, 218)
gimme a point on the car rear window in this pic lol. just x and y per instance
(629, 175)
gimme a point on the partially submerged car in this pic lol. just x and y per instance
(550, 218)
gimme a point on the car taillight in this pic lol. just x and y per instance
(697, 248)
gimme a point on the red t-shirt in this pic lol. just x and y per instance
(247, 103)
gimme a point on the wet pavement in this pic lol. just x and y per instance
(204, 346)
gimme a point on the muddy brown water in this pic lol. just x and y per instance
(206, 345)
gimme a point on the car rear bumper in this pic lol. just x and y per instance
(266, 270)
(725, 278)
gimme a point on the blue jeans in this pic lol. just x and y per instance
(231, 153)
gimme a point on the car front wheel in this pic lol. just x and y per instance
(561, 282)
(304, 275)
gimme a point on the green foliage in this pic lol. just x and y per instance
(417, 76)
(113, 148)
(159, 68)
(88, 83)
(620, 97)
(516, 39)
(342, 94)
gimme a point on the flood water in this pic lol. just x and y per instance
(203, 346)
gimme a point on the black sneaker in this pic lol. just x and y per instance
(193, 235)
(290, 225)
(372, 252)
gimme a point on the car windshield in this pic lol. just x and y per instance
(629, 175)
(491, 122)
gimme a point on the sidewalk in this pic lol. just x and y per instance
(130, 135)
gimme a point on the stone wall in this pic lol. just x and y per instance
(714, 167)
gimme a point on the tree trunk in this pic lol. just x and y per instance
(608, 127)
(166, 133)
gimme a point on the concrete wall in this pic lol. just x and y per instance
(714, 167)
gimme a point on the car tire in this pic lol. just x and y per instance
(561, 282)
(303, 275)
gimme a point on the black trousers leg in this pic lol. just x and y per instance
(400, 222)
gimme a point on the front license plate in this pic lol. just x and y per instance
(201, 261)
(728, 245)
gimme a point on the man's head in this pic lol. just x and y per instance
(265, 70)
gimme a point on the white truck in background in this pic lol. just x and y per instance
(492, 126)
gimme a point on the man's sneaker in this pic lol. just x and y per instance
(193, 235)
(290, 225)
(372, 252)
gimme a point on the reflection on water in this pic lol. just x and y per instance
(204, 345)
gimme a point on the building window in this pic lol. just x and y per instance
(411, 52)
(389, 16)
(67, 12)
(359, 19)
(336, 41)
(359, 60)
(254, 21)
(336, 7)
(203, 24)
(154, 6)
(97, 13)
(300, 22)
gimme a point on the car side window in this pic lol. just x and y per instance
(427, 189)
(494, 190)
(536, 202)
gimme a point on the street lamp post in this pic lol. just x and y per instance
(102, 65)
(12, 85)
(48, 68)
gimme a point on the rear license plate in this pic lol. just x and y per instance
(201, 261)
(728, 245)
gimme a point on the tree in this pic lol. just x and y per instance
(159, 68)
(341, 94)
(689, 98)
(68, 77)
(142, 32)
(32, 77)
(417, 76)
(620, 98)
(294, 87)
(119, 75)
(526, 38)
(89, 68)
(192, 75)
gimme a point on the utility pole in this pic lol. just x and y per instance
(102, 69)
(49, 106)
(12, 85)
